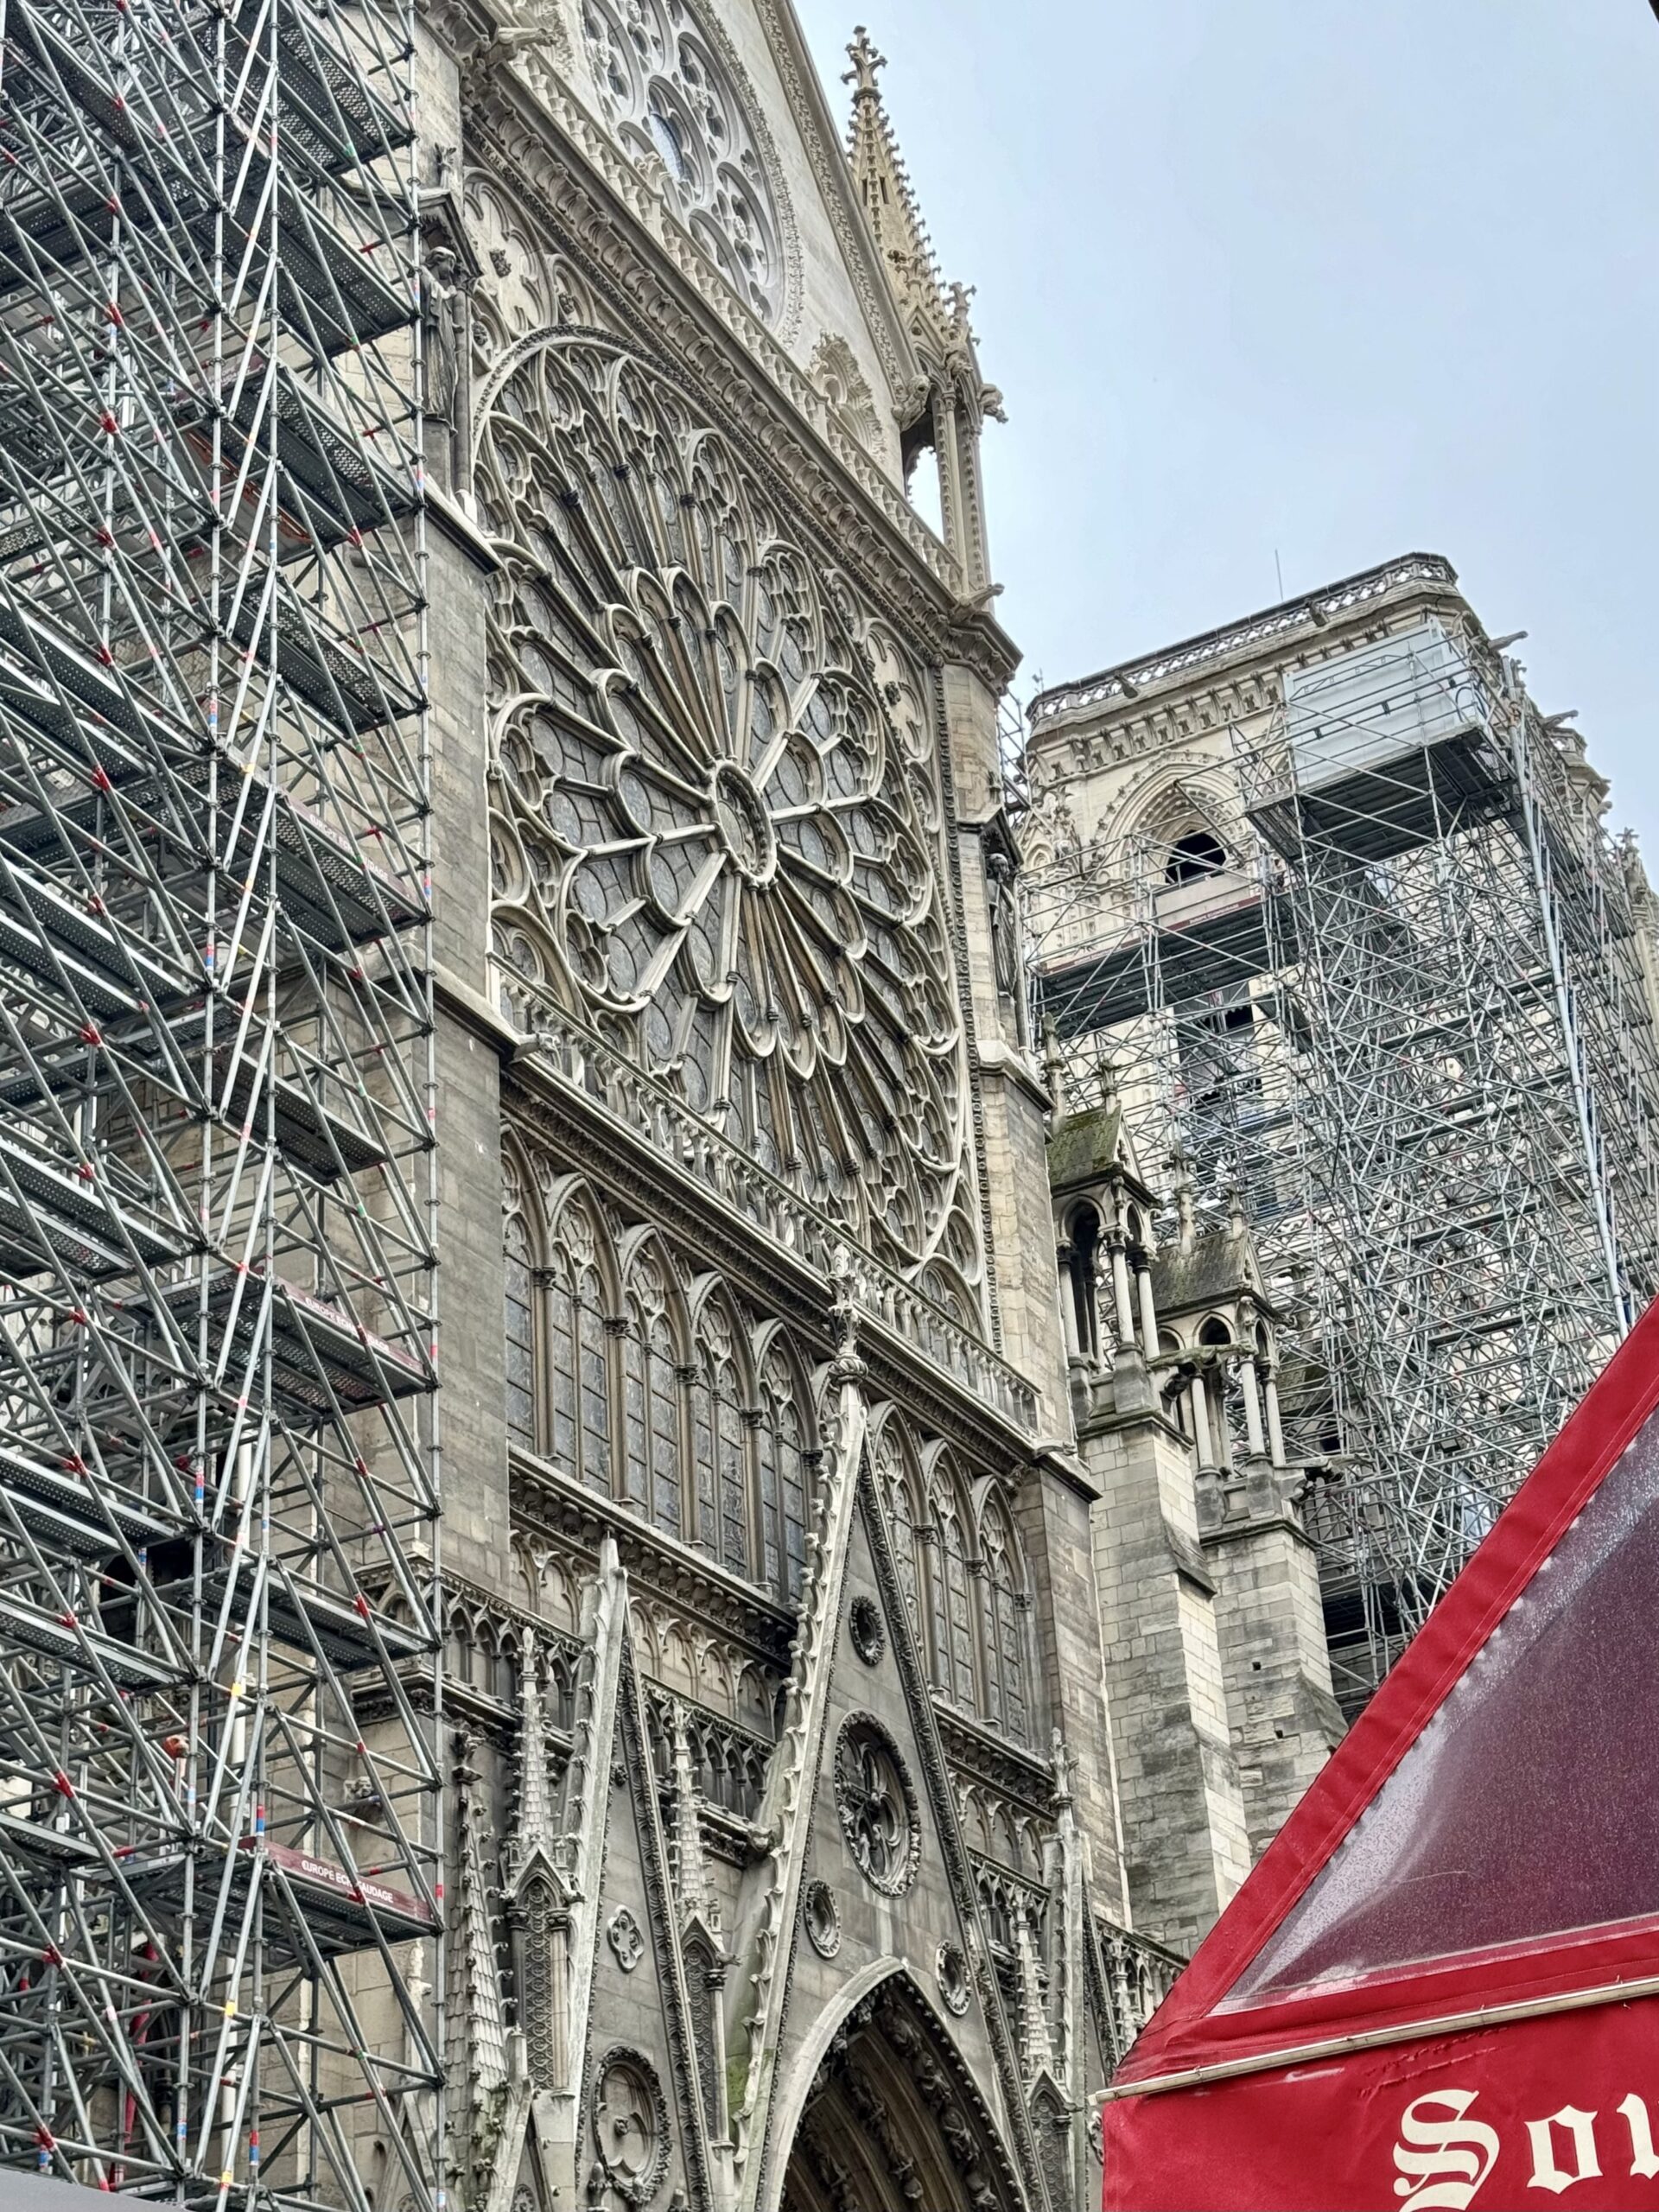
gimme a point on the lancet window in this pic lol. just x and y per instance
(905, 1518)
(579, 1354)
(963, 1582)
(718, 1453)
(520, 1333)
(782, 1453)
(1002, 1588)
(611, 1378)
(953, 1609)
(653, 1397)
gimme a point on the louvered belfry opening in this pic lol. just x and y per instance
(219, 1826)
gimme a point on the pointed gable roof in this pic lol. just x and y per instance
(1480, 1846)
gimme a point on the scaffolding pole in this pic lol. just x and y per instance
(220, 1855)
(1436, 1017)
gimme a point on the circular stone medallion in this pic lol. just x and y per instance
(821, 1919)
(951, 1968)
(864, 1626)
(877, 1805)
(630, 2125)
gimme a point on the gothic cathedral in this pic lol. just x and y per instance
(783, 1863)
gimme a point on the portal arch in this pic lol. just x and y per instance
(885, 2113)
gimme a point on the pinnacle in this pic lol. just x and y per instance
(889, 199)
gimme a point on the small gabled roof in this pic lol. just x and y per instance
(1217, 1267)
(1085, 1148)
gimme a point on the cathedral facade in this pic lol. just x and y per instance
(786, 1866)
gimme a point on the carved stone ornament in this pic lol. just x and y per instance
(675, 98)
(821, 1919)
(712, 833)
(630, 2125)
(955, 1979)
(864, 1626)
(876, 1805)
(623, 1934)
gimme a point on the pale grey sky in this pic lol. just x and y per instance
(1331, 279)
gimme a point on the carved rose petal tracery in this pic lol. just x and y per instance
(672, 92)
(715, 807)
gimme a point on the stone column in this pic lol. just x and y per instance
(1275, 1434)
(1248, 1383)
(1198, 1399)
(1065, 1255)
(1121, 1292)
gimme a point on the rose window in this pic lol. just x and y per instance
(668, 92)
(716, 816)
(876, 1805)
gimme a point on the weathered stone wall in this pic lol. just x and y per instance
(1186, 1835)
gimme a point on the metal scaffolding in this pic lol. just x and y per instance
(1410, 1021)
(220, 1841)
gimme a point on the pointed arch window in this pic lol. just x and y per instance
(653, 1404)
(893, 1484)
(720, 1451)
(952, 1607)
(520, 1319)
(1002, 1588)
(580, 1396)
(780, 1441)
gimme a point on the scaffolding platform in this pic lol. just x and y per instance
(55, 940)
(51, 686)
(92, 1219)
(321, 1359)
(79, 1649)
(333, 491)
(324, 107)
(326, 283)
(1207, 935)
(326, 888)
(1386, 808)
(340, 1911)
(79, 1514)
(333, 674)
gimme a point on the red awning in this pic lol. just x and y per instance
(1430, 1991)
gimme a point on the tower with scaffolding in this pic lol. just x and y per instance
(219, 1845)
(1338, 902)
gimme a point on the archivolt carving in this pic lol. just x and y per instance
(713, 829)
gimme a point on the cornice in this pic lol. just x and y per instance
(978, 1754)
(546, 1501)
(1265, 638)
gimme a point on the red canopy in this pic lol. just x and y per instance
(1439, 1987)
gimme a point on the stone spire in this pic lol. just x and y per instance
(1036, 2044)
(884, 186)
(475, 1992)
(947, 408)
(535, 1829)
(690, 1869)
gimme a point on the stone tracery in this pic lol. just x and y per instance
(651, 1388)
(714, 830)
(674, 101)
